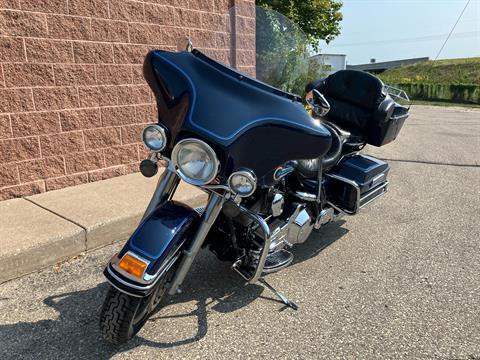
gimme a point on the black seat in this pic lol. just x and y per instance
(309, 167)
(356, 99)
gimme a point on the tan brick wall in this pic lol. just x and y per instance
(72, 95)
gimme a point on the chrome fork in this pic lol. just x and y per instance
(166, 186)
(213, 208)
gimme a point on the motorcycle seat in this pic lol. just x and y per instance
(309, 167)
(356, 98)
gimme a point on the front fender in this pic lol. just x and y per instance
(158, 241)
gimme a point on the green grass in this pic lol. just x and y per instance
(451, 71)
(444, 103)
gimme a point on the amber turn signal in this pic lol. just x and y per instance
(132, 265)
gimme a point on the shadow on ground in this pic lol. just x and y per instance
(75, 331)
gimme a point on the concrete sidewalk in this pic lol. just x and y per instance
(41, 230)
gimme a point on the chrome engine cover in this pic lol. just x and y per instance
(300, 226)
(294, 230)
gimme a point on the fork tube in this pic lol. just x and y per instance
(167, 183)
(214, 206)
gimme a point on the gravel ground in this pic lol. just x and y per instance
(400, 280)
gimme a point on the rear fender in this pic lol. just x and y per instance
(157, 241)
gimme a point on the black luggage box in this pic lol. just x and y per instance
(361, 104)
(356, 181)
(386, 130)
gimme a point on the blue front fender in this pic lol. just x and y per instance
(159, 238)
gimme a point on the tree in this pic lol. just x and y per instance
(318, 19)
(283, 52)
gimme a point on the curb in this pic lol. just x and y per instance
(41, 230)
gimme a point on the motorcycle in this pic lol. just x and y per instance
(273, 172)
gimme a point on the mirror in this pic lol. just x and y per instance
(185, 44)
(320, 105)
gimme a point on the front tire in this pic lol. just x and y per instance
(117, 317)
(122, 316)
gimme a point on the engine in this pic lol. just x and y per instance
(293, 226)
(291, 211)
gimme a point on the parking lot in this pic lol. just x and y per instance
(400, 280)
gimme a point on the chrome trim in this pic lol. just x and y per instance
(326, 215)
(213, 208)
(283, 170)
(189, 46)
(122, 290)
(216, 187)
(355, 185)
(266, 246)
(282, 230)
(139, 287)
(336, 208)
(319, 180)
(161, 130)
(397, 94)
(277, 205)
(382, 189)
(299, 225)
(128, 284)
(305, 196)
(358, 205)
(250, 175)
(302, 218)
(208, 149)
(166, 186)
(163, 269)
(378, 179)
(321, 109)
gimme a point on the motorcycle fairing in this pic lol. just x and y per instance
(157, 239)
(237, 115)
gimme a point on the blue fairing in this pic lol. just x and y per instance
(162, 233)
(248, 123)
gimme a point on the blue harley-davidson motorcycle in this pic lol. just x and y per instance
(272, 171)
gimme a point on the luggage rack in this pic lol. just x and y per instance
(397, 94)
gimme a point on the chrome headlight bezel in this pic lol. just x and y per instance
(249, 175)
(205, 147)
(162, 133)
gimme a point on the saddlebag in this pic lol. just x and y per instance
(356, 181)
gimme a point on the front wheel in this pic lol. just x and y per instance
(122, 316)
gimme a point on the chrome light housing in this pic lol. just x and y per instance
(154, 137)
(243, 182)
(195, 161)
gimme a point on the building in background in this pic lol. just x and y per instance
(378, 67)
(73, 100)
(330, 63)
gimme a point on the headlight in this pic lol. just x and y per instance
(154, 138)
(243, 183)
(196, 162)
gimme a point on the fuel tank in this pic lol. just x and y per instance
(248, 123)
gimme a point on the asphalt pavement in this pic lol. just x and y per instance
(399, 280)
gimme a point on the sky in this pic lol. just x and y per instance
(400, 29)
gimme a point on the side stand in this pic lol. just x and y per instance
(278, 294)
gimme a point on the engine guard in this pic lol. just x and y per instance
(157, 241)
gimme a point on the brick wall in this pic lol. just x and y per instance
(72, 95)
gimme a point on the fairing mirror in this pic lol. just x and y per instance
(319, 104)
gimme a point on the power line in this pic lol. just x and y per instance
(451, 31)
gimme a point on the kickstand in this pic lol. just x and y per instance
(282, 297)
